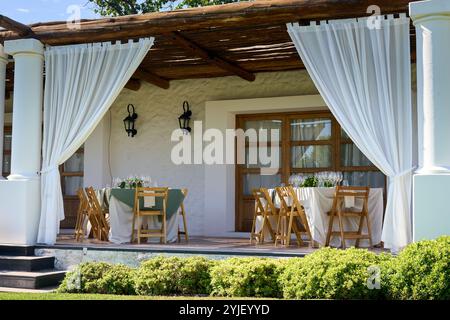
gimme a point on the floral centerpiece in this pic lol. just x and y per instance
(132, 182)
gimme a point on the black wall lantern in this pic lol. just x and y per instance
(184, 119)
(129, 121)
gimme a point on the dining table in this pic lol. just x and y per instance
(318, 201)
(120, 203)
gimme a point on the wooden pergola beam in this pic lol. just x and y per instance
(151, 78)
(15, 26)
(133, 84)
(250, 13)
(210, 57)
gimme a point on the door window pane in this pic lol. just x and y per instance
(372, 179)
(351, 156)
(252, 181)
(344, 134)
(71, 185)
(75, 163)
(311, 129)
(269, 125)
(253, 152)
(317, 156)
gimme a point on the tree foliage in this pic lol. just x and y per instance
(126, 7)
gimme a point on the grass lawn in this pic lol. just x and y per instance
(71, 296)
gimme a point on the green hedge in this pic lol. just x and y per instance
(334, 274)
(246, 277)
(420, 271)
(99, 277)
(173, 275)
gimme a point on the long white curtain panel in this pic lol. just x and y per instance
(81, 83)
(362, 69)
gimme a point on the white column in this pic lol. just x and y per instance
(20, 197)
(432, 179)
(3, 63)
(28, 57)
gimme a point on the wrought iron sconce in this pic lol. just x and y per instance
(129, 121)
(184, 119)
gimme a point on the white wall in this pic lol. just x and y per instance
(148, 153)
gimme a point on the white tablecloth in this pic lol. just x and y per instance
(318, 201)
(121, 221)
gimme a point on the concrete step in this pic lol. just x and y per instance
(26, 263)
(21, 290)
(16, 250)
(31, 280)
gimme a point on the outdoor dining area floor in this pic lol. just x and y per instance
(225, 246)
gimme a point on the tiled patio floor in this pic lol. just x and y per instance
(196, 245)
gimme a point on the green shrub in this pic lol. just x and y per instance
(119, 279)
(84, 278)
(173, 276)
(246, 277)
(421, 271)
(332, 274)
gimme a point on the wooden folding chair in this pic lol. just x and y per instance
(284, 232)
(182, 212)
(340, 211)
(265, 208)
(97, 216)
(139, 213)
(298, 211)
(82, 215)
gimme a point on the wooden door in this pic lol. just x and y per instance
(248, 176)
(72, 172)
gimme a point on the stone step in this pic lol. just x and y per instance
(31, 280)
(26, 263)
(16, 250)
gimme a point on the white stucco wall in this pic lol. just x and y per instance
(149, 152)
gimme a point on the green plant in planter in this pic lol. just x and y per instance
(328, 184)
(310, 182)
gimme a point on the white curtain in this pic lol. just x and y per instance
(81, 83)
(362, 69)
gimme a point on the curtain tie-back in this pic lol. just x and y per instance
(49, 169)
(403, 173)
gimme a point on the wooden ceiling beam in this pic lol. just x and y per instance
(251, 13)
(15, 26)
(151, 78)
(210, 57)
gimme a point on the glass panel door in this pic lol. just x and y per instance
(248, 175)
(72, 172)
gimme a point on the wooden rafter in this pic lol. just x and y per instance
(221, 16)
(210, 57)
(15, 26)
(133, 84)
(151, 78)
